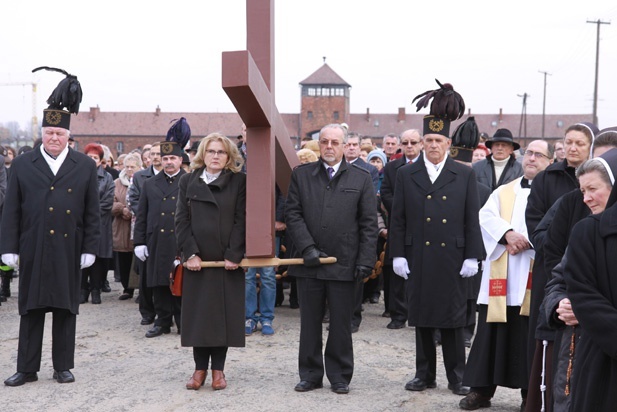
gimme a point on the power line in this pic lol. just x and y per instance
(595, 88)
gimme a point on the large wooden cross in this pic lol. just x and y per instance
(248, 80)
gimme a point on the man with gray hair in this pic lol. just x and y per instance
(330, 212)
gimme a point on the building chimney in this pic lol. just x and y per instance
(500, 115)
(157, 111)
(401, 114)
(368, 114)
(94, 112)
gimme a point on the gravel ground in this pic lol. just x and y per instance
(118, 369)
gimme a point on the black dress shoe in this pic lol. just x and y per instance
(340, 388)
(147, 321)
(157, 331)
(474, 401)
(20, 378)
(385, 314)
(459, 389)
(417, 384)
(64, 376)
(396, 324)
(106, 288)
(305, 386)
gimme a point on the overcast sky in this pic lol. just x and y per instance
(136, 55)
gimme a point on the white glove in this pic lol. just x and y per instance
(87, 260)
(400, 267)
(11, 259)
(470, 268)
(141, 252)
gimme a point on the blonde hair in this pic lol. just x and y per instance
(134, 157)
(306, 156)
(234, 159)
(314, 146)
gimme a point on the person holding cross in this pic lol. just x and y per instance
(330, 212)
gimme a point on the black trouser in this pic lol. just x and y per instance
(165, 306)
(394, 294)
(31, 327)
(146, 304)
(125, 260)
(92, 277)
(356, 317)
(453, 346)
(202, 356)
(338, 355)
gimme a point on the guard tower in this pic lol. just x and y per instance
(325, 100)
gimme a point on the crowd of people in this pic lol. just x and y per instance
(474, 241)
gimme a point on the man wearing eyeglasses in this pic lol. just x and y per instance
(394, 290)
(498, 355)
(500, 167)
(331, 211)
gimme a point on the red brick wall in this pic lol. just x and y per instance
(323, 109)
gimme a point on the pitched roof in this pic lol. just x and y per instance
(325, 76)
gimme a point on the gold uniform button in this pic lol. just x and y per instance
(68, 212)
(51, 188)
(428, 243)
(173, 198)
(51, 209)
(66, 235)
(173, 213)
(444, 221)
(162, 213)
(429, 197)
(164, 198)
(172, 231)
(70, 190)
(443, 245)
(162, 230)
(51, 232)
(443, 198)
(428, 219)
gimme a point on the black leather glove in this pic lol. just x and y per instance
(362, 272)
(311, 256)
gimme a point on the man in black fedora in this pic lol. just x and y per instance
(500, 167)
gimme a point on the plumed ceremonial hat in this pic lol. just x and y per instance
(63, 101)
(464, 140)
(179, 132)
(446, 106)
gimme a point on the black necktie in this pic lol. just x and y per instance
(525, 183)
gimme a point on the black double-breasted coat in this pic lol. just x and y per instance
(49, 221)
(155, 227)
(435, 227)
(337, 216)
(211, 223)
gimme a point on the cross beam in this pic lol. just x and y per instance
(248, 80)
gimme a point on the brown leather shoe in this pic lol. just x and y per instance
(218, 380)
(197, 380)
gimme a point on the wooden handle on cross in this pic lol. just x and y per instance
(264, 262)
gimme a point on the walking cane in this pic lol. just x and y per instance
(265, 262)
(542, 385)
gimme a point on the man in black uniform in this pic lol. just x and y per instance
(155, 238)
(50, 229)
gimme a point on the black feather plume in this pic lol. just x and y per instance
(179, 132)
(67, 93)
(466, 134)
(446, 103)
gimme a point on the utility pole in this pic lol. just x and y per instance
(595, 88)
(544, 101)
(523, 116)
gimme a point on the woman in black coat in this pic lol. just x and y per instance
(211, 226)
(548, 186)
(590, 274)
(92, 278)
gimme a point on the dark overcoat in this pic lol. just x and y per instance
(106, 201)
(485, 172)
(338, 216)
(134, 191)
(435, 227)
(49, 221)
(154, 226)
(590, 273)
(211, 223)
